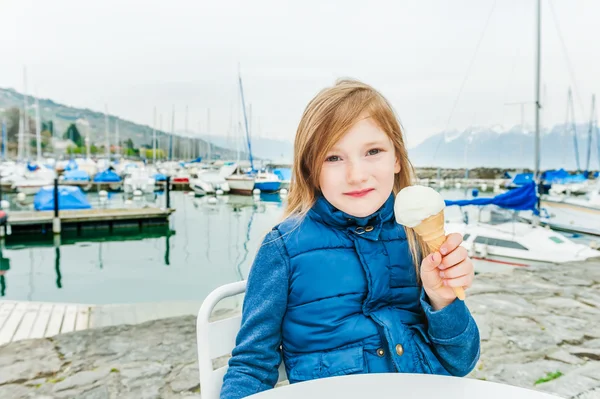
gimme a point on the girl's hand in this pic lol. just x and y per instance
(443, 270)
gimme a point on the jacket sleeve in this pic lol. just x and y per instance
(454, 335)
(255, 360)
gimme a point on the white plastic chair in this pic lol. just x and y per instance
(217, 339)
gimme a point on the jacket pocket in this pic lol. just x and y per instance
(326, 364)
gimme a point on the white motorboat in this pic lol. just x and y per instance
(138, 180)
(519, 244)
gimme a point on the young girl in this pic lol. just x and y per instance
(339, 287)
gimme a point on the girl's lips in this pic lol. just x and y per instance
(360, 193)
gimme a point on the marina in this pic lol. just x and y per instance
(142, 166)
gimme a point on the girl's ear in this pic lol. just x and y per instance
(397, 166)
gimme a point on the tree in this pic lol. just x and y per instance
(160, 154)
(73, 134)
(12, 124)
(48, 126)
(129, 144)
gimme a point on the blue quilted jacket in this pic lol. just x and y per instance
(332, 294)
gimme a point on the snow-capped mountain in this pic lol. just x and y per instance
(507, 148)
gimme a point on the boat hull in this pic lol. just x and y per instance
(268, 186)
(240, 184)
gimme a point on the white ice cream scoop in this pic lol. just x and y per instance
(422, 209)
(416, 203)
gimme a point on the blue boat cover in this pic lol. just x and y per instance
(522, 178)
(76, 175)
(561, 176)
(160, 177)
(72, 165)
(32, 167)
(523, 198)
(283, 173)
(107, 176)
(68, 198)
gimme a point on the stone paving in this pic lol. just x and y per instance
(540, 329)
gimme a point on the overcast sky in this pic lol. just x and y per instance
(134, 55)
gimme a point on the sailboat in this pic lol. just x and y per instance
(240, 182)
(497, 236)
(514, 242)
(579, 214)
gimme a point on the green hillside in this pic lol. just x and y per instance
(59, 117)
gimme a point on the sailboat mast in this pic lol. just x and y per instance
(537, 92)
(536, 172)
(246, 121)
(25, 142)
(590, 132)
(21, 138)
(171, 135)
(154, 138)
(118, 146)
(106, 138)
(186, 148)
(38, 131)
(209, 156)
(200, 139)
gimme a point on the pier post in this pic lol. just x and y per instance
(2, 226)
(168, 192)
(56, 219)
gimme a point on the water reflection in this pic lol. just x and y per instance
(58, 243)
(215, 244)
(57, 266)
(4, 268)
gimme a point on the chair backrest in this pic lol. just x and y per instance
(216, 339)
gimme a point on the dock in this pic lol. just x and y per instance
(35, 222)
(21, 320)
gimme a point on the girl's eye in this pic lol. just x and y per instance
(333, 158)
(374, 151)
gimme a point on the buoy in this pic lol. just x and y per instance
(458, 185)
(128, 202)
(21, 197)
(191, 194)
(103, 193)
(137, 193)
(219, 192)
(5, 204)
(212, 200)
(484, 187)
(283, 191)
(256, 191)
(475, 193)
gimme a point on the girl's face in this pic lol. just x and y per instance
(358, 173)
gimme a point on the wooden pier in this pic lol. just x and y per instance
(27, 320)
(29, 222)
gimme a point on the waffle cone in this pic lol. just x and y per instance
(431, 230)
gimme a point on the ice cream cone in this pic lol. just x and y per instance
(431, 230)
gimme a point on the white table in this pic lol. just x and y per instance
(399, 386)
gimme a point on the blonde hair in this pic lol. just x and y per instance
(325, 120)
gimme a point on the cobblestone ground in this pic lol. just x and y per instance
(540, 329)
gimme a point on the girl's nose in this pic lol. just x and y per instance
(356, 173)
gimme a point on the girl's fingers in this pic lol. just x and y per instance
(464, 281)
(462, 269)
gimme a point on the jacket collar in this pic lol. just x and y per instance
(328, 214)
